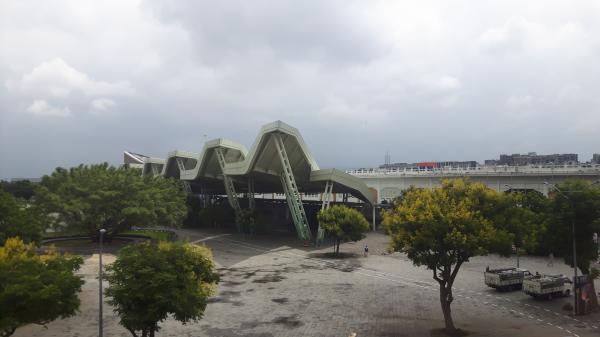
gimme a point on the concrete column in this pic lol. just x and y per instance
(374, 218)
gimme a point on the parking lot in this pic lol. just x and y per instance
(271, 286)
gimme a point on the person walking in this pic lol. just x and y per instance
(366, 252)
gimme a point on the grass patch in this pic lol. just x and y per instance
(153, 234)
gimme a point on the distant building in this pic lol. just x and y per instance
(431, 165)
(596, 158)
(533, 158)
(31, 180)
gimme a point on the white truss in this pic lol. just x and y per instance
(292, 194)
(229, 187)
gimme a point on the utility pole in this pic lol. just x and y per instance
(100, 296)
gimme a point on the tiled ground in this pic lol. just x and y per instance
(271, 286)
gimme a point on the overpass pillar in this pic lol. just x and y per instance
(374, 213)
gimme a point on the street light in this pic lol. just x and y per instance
(510, 188)
(100, 332)
(573, 234)
(574, 247)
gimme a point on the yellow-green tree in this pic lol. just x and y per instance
(35, 288)
(441, 228)
(150, 282)
(343, 223)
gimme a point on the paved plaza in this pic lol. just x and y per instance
(271, 286)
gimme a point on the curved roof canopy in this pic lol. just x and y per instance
(262, 163)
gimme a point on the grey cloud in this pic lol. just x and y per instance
(330, 32)
(422, 80)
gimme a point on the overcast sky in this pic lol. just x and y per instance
(83, 80)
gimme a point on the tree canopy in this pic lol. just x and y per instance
(442, 228)
(23, 189)
(343, 224)
(149, 282)
(35, 288)
(87, 198)
(520, 213)
(578, 203)
(19, 219)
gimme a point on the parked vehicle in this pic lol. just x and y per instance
(548, 286)
(505, 278)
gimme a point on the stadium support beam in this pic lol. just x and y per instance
(324, 205)
(251, 202)
(288, 181)
(155, 172)
(186, 185)
(229, 187)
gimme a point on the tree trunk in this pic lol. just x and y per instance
(587, 301)
(446, 300)
(337, 246)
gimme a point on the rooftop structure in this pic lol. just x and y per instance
(278, 162)
(131, 159)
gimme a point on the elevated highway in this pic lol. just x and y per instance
(389, 183)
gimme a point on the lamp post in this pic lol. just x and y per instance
(574, 244)
(100, 332)
(572, 233)
(509, 187)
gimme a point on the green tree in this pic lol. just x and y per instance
(23, 189)
(35, 288)
(441, 228)
(19, 219)
(246, 221)
(519, 213)
(577, 204)
(343, 223)
(87, 198)
(149, 282)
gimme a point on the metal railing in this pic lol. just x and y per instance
(582, 169)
